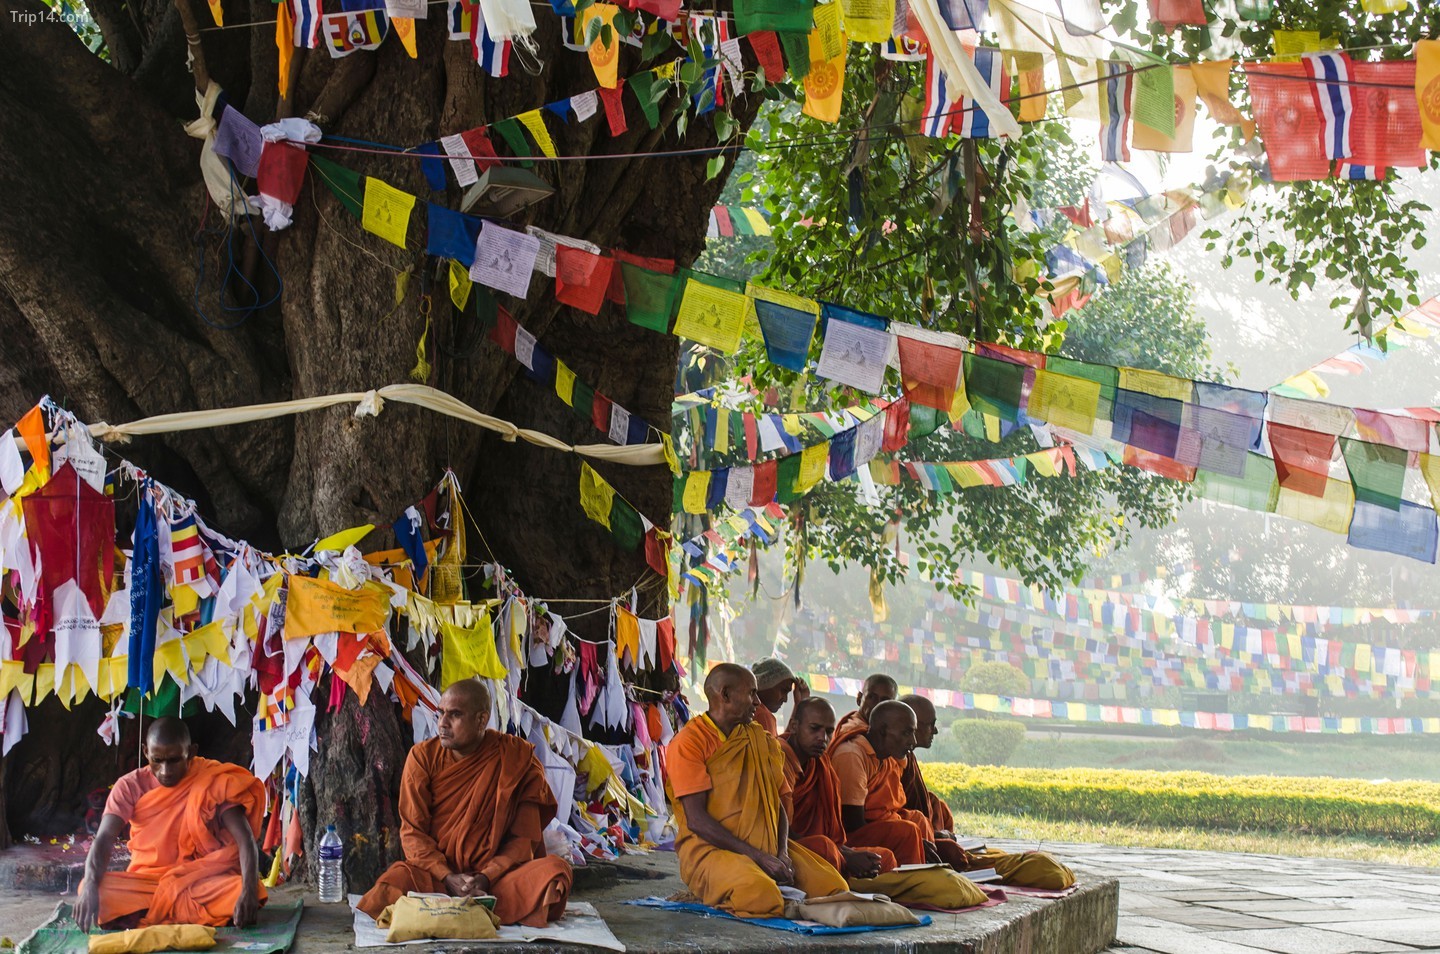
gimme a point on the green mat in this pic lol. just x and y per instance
(272, 933)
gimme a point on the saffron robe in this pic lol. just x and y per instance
(921, 799)
(766, 720)
(814, 809)
(184, 864)
(484, 813)
(743, 777)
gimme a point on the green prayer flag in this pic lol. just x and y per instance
(994, 386)
(677, 497)
(1255, 489)
(1155, 98)
(924, 421)
(714, 281)
(625, 524)
(787, 473)
(1377, 471)
(509, 130)
(797, 53)
(584, 397)
(649, 296)
(345, 183)
(789, 16)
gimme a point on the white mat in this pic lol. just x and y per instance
(580, 925)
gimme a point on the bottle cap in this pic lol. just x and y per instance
(329, 827)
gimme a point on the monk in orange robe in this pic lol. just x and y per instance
(474, 804)
(878, 688)
(814, 805)
(726, 784)
(193, 824)
(775, 683)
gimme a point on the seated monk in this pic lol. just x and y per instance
(814, 803)
(193, 824)
(878, 688)
(474, 804)
(1031, 869)
(775, 683)
(726, 784)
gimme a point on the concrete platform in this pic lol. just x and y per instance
(1083, 923)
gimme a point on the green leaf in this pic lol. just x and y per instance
(714, 167)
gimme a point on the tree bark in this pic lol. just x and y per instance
(111, 262)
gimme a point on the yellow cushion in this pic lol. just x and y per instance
(415, 919)
(159, 937)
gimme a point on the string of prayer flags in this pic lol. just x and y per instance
(728, 220)
(605, 506)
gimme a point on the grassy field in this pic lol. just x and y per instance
(1043, 832)
(1400, 812)
(1367, 758)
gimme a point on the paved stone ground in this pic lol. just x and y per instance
(1202, 902)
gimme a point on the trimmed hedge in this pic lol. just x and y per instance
(988, 741)
(1400, 811)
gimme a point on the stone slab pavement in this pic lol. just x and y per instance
(1204, 902)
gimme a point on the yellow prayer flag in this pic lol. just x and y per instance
(711, 316)
(1331, 512)
(1143, 137)
(697, 490)
(1064, 401)
(596, 496)
(1289, 44)
(830, 31)
(825, 83)
(466, 653)
(1212, 82)
(1430, 469)
(1384, 6)
(1028, 68)
(73, 686)
(1427, 90)
(387, 211)
(1044, 462)
(344, 539)
(812, 466)
(184, 599)
(869, 21)
(1157, 383)
(604, 58)
(217, 12)
(992, 428)
(284, 46)
(170, 658)
(460, 284)
(964, 474)
(319, 606)
(758, 223)
(405, 30)
(536, 124)
(565, 383)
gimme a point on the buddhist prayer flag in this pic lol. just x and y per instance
(1028, 70)
(581, 278)
(869, 21)
(319, 606)
(825, 83)
(306, 16)
(1116, 88)
(1408, 531)
(649, 296)
(929, 371)
(1302, 459)
(604, 57)
(347, 32)
(1212, 83)
(1331, 92)
(387, 211)
(971, 121)
(935, 121)
(711, 315)
(1288, 120)
(1427, 90)
(1179, 135)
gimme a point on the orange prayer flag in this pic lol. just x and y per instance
(825, 83)
(1427, 90)
(217, 12)
(318, 606)
(604, 58)
(405, 30)
(1212, 82)
(285, 45)
(32, 430)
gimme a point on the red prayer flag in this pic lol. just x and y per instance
(766, 47)
(1288, 120)
(1001, 352)
(766, 483)
(282, 171)
(929, 372)
(1158, 464)
(1302, 458)
(616, 292)
(897, 426)
(477, 140)
(1173, 13)
(614, 107)
(1385, 131)
(600, 412)
(723, 225)
(582, 278)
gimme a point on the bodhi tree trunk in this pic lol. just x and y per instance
(113, 271)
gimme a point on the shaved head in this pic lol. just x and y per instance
(877, 689)
(924, 711)
(817, 703)
(892, 730)
(732, 697)
(879, 682)
(472, 693)
(168, 731)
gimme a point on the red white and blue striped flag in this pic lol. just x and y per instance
(973, 123)
(1331, 72)
(467, 22)
(936, 120)
(307, 22)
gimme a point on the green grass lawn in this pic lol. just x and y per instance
(1368, 758)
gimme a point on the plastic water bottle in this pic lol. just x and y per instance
(332, 878)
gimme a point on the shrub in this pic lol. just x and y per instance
(998, 678)
(1401, 811)
(988, 742)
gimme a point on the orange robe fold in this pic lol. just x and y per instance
(484, 813)
(919, 798)
(766, 720)
(742, 776)
(814, 808)
(184, 864)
